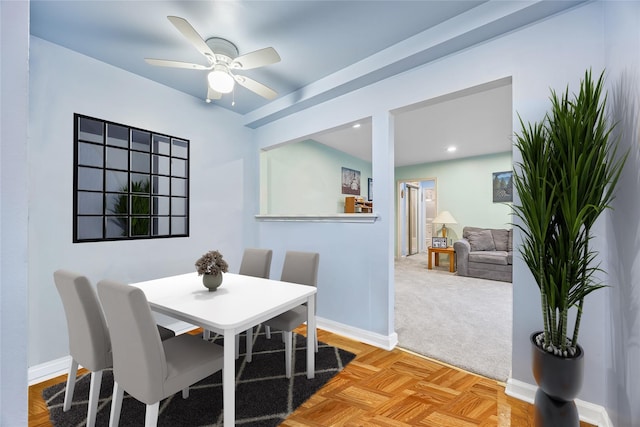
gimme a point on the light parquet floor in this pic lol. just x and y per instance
(385, 389)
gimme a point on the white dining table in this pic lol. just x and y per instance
(240, 303)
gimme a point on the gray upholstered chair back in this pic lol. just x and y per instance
(301, 267)
(256, 262)
(139, 363)
(89, 342)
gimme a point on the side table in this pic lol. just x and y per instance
(449, 251)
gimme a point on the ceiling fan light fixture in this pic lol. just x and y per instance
(220, 80)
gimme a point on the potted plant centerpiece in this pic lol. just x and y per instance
(566, 179)
(211, 266)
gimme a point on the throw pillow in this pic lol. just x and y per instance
(481, 241)
(500, 238)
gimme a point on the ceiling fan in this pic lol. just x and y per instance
(223, 61)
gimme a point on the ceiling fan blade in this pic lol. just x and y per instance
(176, 64)
(192, 35)
(256, 87)
(256, 59)
(212, 94)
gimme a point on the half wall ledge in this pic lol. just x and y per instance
(358, 218)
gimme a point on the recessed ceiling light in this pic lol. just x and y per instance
(451, 149)
(356, 126)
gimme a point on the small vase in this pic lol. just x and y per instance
(212, 281)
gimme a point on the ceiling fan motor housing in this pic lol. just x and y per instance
(225, 50)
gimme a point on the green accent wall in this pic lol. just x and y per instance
(465, 188)
(306, 178)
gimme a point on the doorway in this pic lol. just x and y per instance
(412, 217)
(417, 205)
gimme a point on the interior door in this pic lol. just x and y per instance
(416, 210)
(412, 218)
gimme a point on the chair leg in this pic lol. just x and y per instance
(94, 397)
(316, 335)
(151, 415)
(71, 384)
(267, 331)
(288, 344)
(116, 405)
(237, 346)
(185, 393)
(249, 346)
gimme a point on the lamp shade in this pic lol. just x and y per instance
(444, 217)
(220, 80)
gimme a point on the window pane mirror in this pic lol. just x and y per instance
(117, 170)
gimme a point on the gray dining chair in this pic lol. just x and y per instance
(301, 268)
(144, 366)
(89, 340)
(255, 262)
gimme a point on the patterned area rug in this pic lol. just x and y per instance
(264, 396)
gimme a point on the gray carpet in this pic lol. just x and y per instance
(462, 321)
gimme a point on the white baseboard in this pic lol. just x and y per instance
(46, 371)
(387, 342)
(589, 412)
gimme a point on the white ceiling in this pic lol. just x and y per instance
(425, 131)
(328, 48)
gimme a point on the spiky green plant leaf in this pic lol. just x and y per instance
(566, 179)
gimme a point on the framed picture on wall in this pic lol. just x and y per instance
(502, 187)
(370, 190)
(350, 181)
(438, 242)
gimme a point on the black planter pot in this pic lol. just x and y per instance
(559, 380)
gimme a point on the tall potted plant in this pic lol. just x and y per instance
(566, 179)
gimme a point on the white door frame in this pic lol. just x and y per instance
(400, 217)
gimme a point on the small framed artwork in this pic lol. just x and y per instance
(439, 242)
(370, 190)
(502, 187)
(350, 181)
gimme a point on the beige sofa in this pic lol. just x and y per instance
(486, 253)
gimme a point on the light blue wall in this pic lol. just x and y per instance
(223, 168)
(622, 315)
(14, 214)
(535, 60)
(305, 178)
(464, 188)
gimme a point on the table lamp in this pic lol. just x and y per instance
(444, 218)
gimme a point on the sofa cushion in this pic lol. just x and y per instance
(466, 230)
(481, 240)
(500, 239)
(510, 241)
(509, 257)
(489, 257)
